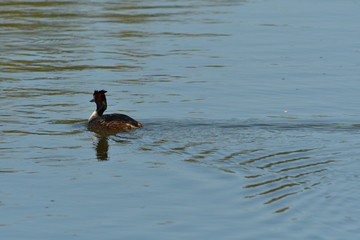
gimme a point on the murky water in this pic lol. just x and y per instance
(250, 114)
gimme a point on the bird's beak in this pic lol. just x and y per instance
(92, 100)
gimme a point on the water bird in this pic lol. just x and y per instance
(113, 122)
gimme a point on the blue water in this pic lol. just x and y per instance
(250, 114)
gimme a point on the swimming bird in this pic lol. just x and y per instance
(115, 122)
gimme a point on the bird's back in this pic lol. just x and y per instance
(120, 122)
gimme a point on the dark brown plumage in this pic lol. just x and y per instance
(113, 122)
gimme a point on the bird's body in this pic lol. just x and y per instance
(115, 122)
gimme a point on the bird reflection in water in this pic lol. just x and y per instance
(101, 142)
(102, 148)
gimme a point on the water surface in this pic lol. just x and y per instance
(250, 114)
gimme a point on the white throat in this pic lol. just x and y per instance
(93, 116)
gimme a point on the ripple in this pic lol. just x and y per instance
(277, 176)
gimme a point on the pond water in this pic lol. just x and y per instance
(250, 111)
